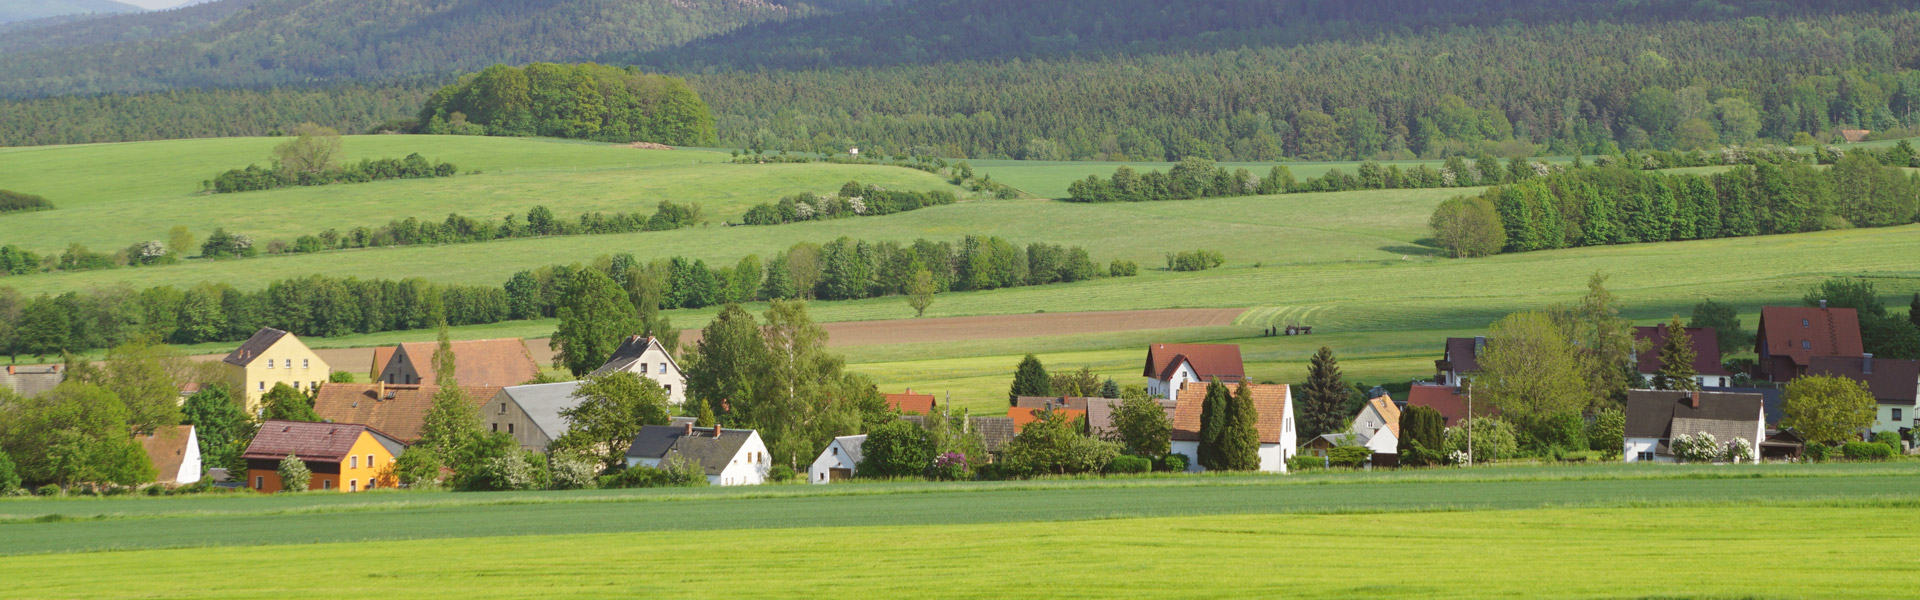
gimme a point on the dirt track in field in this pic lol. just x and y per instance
(903, 331)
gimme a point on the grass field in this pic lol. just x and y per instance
(113, 195)
(1694, 531)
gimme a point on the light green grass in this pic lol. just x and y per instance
(1049, 179)
(113, 195)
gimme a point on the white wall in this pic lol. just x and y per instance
(1885, 421)
(1635, 446)
(1273, 457)
(190, 459)
(654, 359)
(1384, 442)
(1170, 388)
(748, 467)
(834, 457)
(1191, 450)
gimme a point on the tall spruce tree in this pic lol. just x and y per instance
(1240, 442)
(1324, 397)
(1213, 425)
(1676, 360)
(595, 315)
(1030, 379)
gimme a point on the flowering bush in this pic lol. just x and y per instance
(1458, 457)
(951, 466)
(1738, 450)
(1698, 447)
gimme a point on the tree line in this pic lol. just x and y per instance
(253, 178)
(1610, 205)
(11, 201)
(853, 200)
(580, 101)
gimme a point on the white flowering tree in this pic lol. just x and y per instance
(1738, 450)
(1697, 447)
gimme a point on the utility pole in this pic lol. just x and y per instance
(1469, 422)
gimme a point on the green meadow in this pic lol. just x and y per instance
(1521, 531)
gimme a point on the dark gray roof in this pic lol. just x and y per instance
(249, 350)
(1769, 394)
(713, 453)
(32, 381)
(850, 444)
(1651, 413)
(543, 403)
(629, 351)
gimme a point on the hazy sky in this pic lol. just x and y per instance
(159, 4)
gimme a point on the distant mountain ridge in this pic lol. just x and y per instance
(26, 10)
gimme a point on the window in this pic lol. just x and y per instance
(669, 391)
(1646, 456)
(369, 465)
(353, 462)
(1896, 414)
(263, 386)
(259, 482)
(643, 368)
(503, 408)
(1804, 323)
(509, 428)
(1806, 344)
(303, 363)
(370, 482)
(326, 484)
(353, 485)
(269, 363)
(496, 428)
(663, 368)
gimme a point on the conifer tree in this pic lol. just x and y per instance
(1030, 379)
(1213, 425)
(1676, 360)
(1240, 443)
(1913, 310)
(1324, 397)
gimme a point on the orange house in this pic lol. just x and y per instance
(342, 456)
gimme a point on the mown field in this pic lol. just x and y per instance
(1486, 532)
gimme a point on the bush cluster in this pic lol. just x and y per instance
(854, 200)
(11, 201)
(255, 178)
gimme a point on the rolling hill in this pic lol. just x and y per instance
(27, 10)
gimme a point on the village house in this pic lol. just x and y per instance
(911, 403)
(174, 451)
(1171, 366)
(496, 363)
(1895, 385)
(1098, 411)
(343, 456)
(838, 462)
(1273, 404)
(396, 409)
(994, 432)
(1655, 417)
(1450, 402)
(1708, 370)
(1790, 336)
(729, 456)
(273, 357)
(1025, 416)
(1378, 425)
(1460, 357)
(31, 381)
(647, 357)
(531, 413)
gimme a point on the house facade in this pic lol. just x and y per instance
(531, 413)
(344, 457)
(495, 362)
(647, 357)
(1790, 336)
(1655, 417)
(1273, 405)
(729, 456)
(274, 357)
(1172, 366)
(839, 462)
(1895, 385)
(1707, 367)
(395, 409)
(174, 452)
(1459, 358)
(1379, 425)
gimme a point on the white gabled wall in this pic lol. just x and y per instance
(190, 458)
(749, 465)
(1635, 446)
(834, 457)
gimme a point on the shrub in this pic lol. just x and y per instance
(1607, 433)
(48, 490)
(9, 478)
(1195, 260)
(1123, 268)
(570, 471)
(780, 474)
(1350, 456)
(17, 202)
(951, 466)
(675, 471)
(1818, 452)
(509, 472)
(1492, 439)
(1128, 463)
(1304, 462)
(1174, 462)
(1737, 450)
(294, 475)
(1866, 451)
(1892, 440)
(1697, 447)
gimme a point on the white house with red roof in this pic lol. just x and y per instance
(1170, 366)
(1273, 405)
(1707, 368)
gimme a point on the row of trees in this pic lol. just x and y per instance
(11, 201)
(253, 178)
(580, 101)
(1590, 207)
(853, 200)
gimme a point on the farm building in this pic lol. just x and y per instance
(1654, 417)
(911, 403)
(32, 381)
(1854, 136)
(1378, 425)
(1170, 366)
(1459, 357)
(647, 357)
(531, 413)
(1790, 336)
(342, 456)
(175, 453)
(273, 357)
(1709, 372)
(838, 462)
(396, 409)
(496, 363)
(1273, 403)
(1894, 383)
(729, 456)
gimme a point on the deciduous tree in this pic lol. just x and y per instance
(1467, 227)
(612, 409)
(312, 150)
(284, 403)
(730, 358)
(595, 315)
(1827, 410)
(920, 292)
(1725, 323)
(1530, 370)
(294, 475)
(1141, 425)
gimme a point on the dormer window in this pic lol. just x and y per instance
(1805, 323)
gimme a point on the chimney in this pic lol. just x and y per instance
(689, 428)
(1823, 303)
(716, 431)
(1866, 364)
(380, 388)
(1696, 399)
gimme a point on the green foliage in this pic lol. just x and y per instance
(1176, 463)
(781, 474)
(896, 449)
(512, 471)
(803, 397)
(1029, 379)
(253, 178)
(595, 315)
(418, 467)
(1866, 451)
(11, 201)
(1891, 439)
(1214, 415)
(675, 471)
(1239, 448)
(1468, 227)
(282, 402)
(1492, 439)
(1142, 426)
(1676, 360)
(1529, 370)
(1422, 436)
(1195, 260)
(571, 471)
(9, 476)
(221, 425)
(1882, 333)
(1130, 464)
(581, 101)
(920, 292)
(1078, 383)
(1555, 434)
(1323, 398)
(1350, 456)
(1826, 410)
(294, 475)
(1052, 445)
(729, 352)
(612, 409)
(1725, 322)
(1607, 433)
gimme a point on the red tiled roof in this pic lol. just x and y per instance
(167, 448)
(1803, 333)
(381, 356)
(402, 415)
(911, 403)
(1444, 399)
(1209, 361)
(496, 362)
(1389, 412)
(1706, 350)
(1269, 400)
(311, 442)
(1022, 416)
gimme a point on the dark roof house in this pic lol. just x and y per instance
(395, 408)
(713, 447)
(1706, 350)
(1790, 336)
(630, 351)
(32, 381)
(1892, 381)
(1660, 415)
(249, 350)
(312, 442)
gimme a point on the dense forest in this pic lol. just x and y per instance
(1218, 79)
(584, 101)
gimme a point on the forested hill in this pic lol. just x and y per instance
(23, 10)
(303, 42)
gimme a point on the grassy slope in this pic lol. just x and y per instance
(1722, 551)
(113, 195)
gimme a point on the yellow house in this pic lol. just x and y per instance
(342, 456)
(270, 357)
